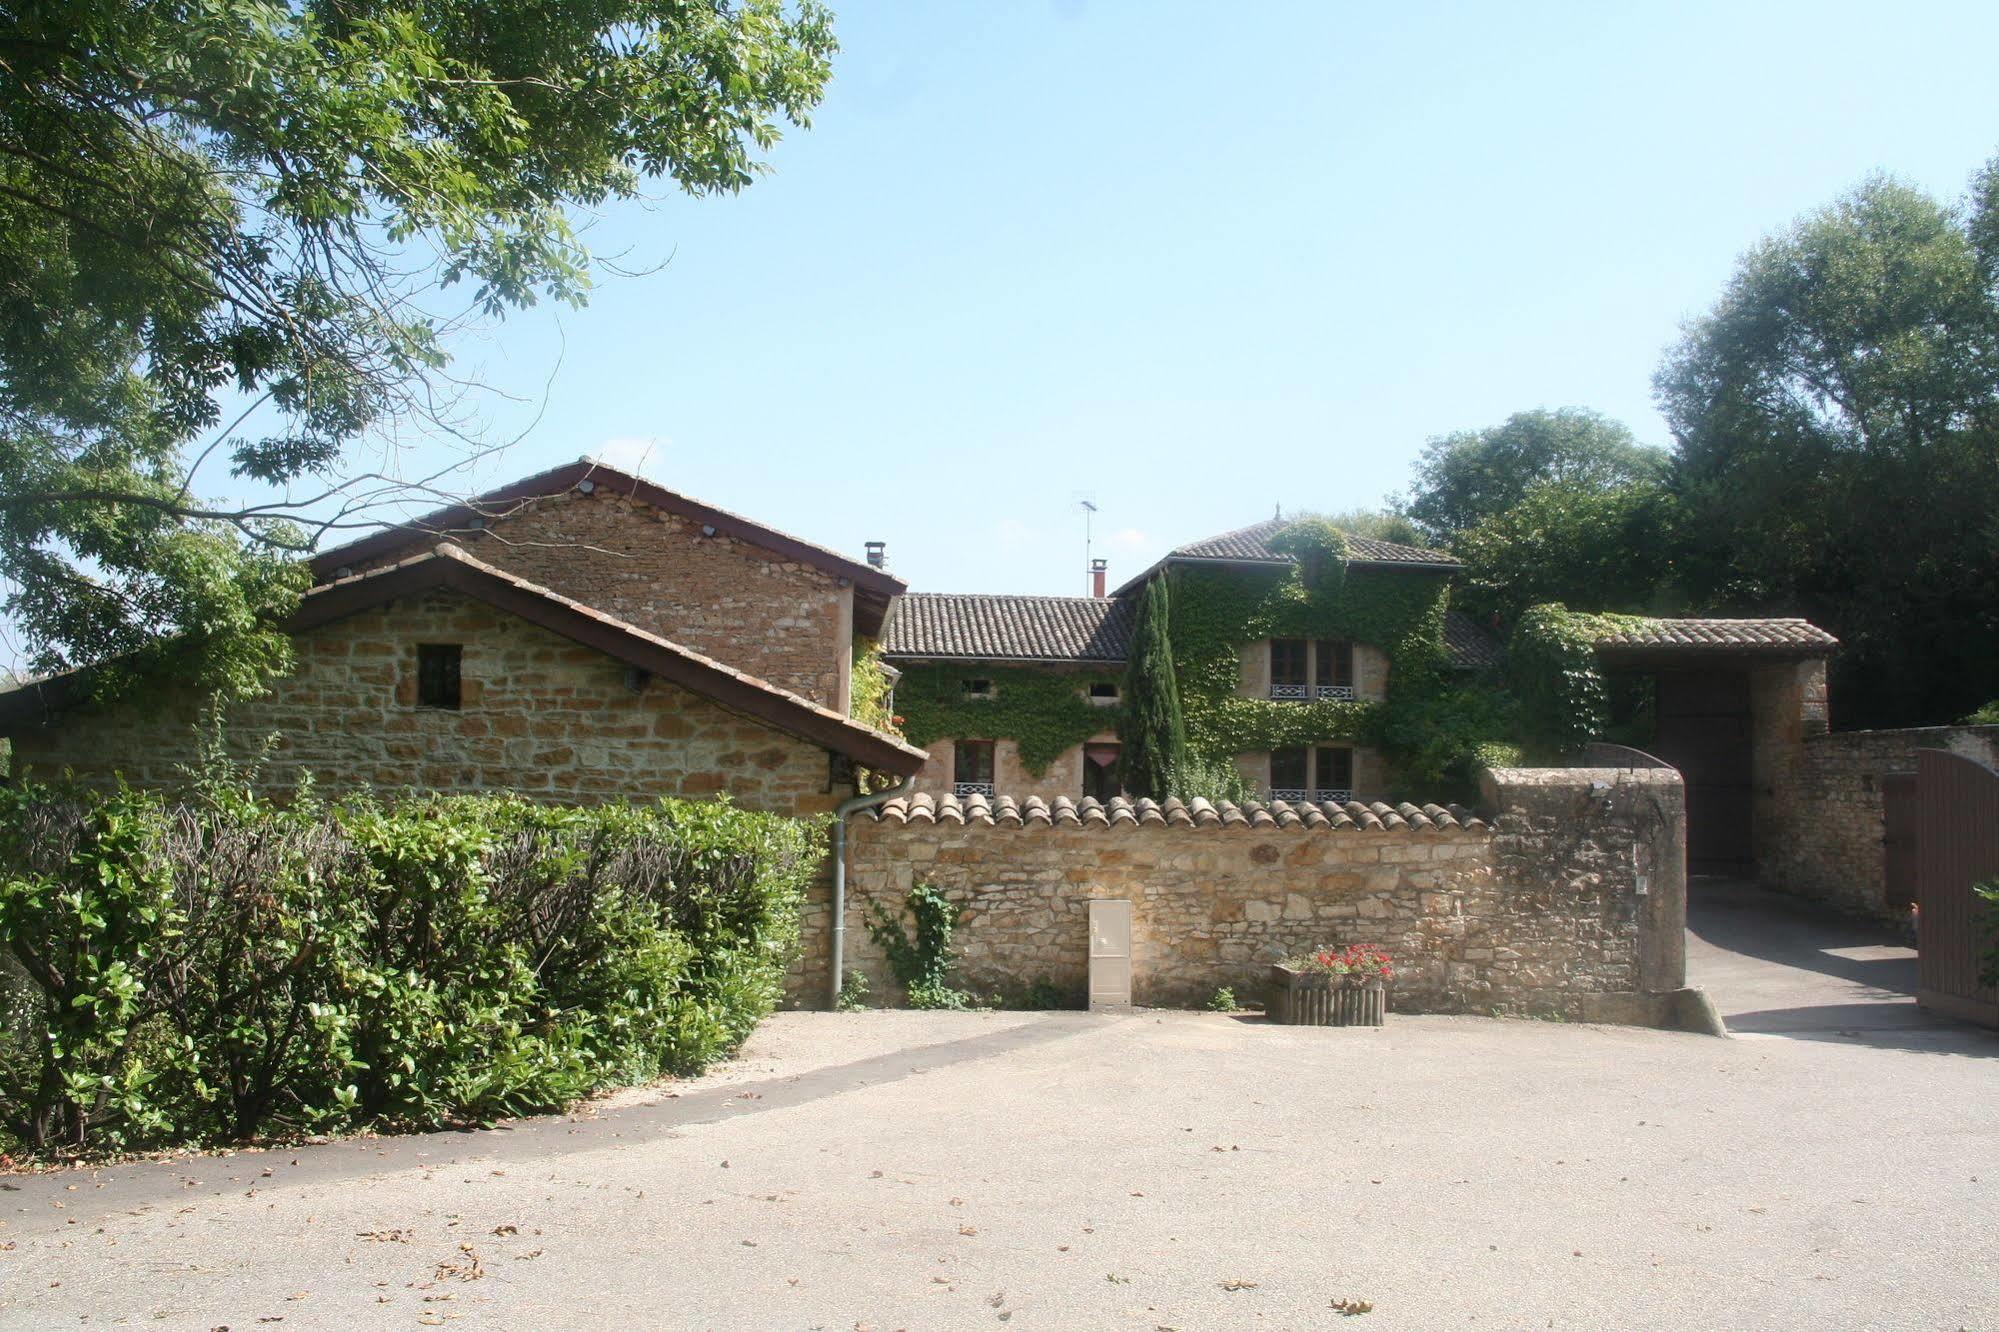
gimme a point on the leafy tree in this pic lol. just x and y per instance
(282, 211)
(1609, 549)
(1152, 733)
(1837, 415)
(1471, 475)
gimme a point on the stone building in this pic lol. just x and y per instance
(579, 635)
(975, 653)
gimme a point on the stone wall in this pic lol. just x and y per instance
(1566, 897)
(540, 715)
(756, 610)
(1822, 835)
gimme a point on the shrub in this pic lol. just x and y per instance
(1987, 894)
(222, 968)
(853, 996)
(1223, 1001)
(1985, 716)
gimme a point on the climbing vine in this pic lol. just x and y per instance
(871, 690)
(1044, 711)
(1558, 681)
(921, 957)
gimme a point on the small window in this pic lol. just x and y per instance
(1103, 693)
(1100, 772)
(974, 761)
(437, 667)
(978, 689)
(1287, 774)
(972, 768)
(1287, 668)
(1335, 663)
(1333, 774)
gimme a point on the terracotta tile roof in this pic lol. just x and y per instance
(930, 626)
(1004, 628)
(446, 565)
(1470, 646)
(1251, 545)
(873, 587)
(1784, 636)
(1123, 812)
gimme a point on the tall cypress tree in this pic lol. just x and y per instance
(1152, 733)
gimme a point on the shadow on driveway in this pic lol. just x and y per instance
(1779, 966)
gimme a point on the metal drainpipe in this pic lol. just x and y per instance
(840, 813)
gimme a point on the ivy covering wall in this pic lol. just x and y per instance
(1435, 725)
(870, 689)
(1564, 697)
(1044, 710)
(1433, 719)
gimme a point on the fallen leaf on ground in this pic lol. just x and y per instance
(1352, 1308)
(1236, 1283)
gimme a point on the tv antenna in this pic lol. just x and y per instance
(1089, 514)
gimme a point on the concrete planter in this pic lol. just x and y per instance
(1317, 999)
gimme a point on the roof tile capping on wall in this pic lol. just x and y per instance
(1006, 812)
(1563, 894)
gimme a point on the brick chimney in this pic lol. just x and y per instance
(1097, 568)
(878, 554)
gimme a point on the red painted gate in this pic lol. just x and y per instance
(1957, 845)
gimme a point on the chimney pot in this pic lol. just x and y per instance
(1097, 568)
(878, 554)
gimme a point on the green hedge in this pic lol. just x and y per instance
(226, 969)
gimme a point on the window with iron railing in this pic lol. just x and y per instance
(1302, 670)
(1289, 666)
(1333, 670)
(972, 768)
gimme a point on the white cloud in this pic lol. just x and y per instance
(638, 454)
(1128, 539)
(1015, 534)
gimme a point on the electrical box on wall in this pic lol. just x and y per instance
(1110, 955)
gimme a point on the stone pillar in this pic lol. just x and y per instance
(1608, 833)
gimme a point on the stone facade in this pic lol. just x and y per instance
(539, 715)
(1062, 777)
(1822, 834)
(1570, 901)
(777, 618)
(1370, 770)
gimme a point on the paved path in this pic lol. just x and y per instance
(1159, 1170)
(1775, 965)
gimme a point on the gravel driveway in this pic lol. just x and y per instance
(1159, 1170)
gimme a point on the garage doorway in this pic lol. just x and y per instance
(1704, 731)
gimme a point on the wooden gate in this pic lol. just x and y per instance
(1957, 845)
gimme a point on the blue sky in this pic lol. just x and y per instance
(1195, 261)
